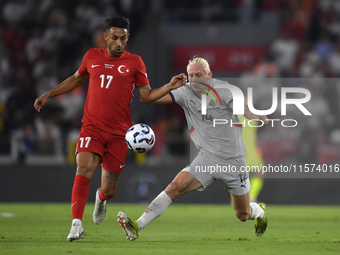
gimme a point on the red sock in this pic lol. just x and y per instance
(102, 196)
(80, 193)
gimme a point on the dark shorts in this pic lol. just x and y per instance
(111, 148)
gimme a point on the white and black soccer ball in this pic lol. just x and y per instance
(140, 138)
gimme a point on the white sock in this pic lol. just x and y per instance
(257, 211)
(76, 222)
(155, 209)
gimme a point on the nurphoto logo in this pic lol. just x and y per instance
(239, 100)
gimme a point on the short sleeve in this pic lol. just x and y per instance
(225, 95)
(141, 76)
(228, 97)
(178, 95)
(82, 70)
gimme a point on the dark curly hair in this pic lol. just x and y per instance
(120, 22)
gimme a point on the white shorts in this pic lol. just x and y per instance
(207, 170)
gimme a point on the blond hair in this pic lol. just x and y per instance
(202, 61)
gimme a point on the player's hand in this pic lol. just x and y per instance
(40, 102)
(178, 81)
(264, 119)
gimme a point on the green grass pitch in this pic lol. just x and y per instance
(182, 229)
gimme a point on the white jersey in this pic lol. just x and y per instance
(224, 141)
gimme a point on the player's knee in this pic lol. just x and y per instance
(242, 215)
(173, 190)
(85, 170)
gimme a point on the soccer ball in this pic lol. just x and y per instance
(140, 138)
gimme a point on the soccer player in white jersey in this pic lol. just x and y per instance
(221, 145)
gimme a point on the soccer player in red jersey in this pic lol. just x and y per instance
(114, 73)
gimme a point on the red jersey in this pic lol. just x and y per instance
(110, 90)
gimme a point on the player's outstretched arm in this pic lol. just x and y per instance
(167, 99)
(66, 86)
(149, 96)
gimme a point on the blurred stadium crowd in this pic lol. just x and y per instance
(43, 41)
